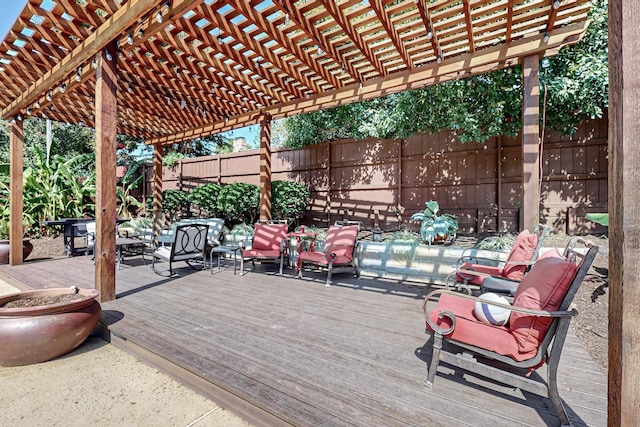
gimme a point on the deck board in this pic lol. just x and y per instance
(304, 354)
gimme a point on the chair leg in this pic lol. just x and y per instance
(300, 269)
(552, 370)
(281, 263)
(242, 265)
(435, 360)
(328, 284)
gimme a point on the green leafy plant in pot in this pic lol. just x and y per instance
(436, 227)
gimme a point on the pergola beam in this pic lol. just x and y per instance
(16, 149)
(530, 211)
(624, 214)
(108, 31)
(481, 61)
(265, 168)
(106, 113)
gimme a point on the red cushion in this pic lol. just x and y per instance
(472, 331)
(268, 236)
(320, 258)
(522, 251)
(543, 288)
(341, 240)
(262, 253)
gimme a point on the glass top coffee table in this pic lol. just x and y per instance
(222, 250)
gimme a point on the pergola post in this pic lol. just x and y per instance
(530, 143)
(157, 189)
(106, 113)
(624, 214)
(265, 168)
(16, 149)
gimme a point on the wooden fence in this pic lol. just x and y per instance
(383, 182)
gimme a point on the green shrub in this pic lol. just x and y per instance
(289, 200)
(175, 204)
(205, 199)
(239, 202)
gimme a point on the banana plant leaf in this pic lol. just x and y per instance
(599, 218)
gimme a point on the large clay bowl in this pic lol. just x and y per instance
(37, 334)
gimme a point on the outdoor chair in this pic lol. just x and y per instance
(471, 271)
(214, 235)
(539, 319)
(90, 237)
(338, 254)
(269, 243)
(189, 244)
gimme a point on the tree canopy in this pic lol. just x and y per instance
(478, 107)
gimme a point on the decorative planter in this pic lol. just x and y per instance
(419, 263)
(27, 247)
(40, 333)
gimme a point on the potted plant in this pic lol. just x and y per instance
(436, 227)
(40, 325)
(27, 246)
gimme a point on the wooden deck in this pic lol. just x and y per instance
(280, 350)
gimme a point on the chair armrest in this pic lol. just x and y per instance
(330, 255)
(452, 317)
(478, 259)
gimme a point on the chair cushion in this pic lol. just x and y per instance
(470, 330)
(163, 252)
(342, 240)
(320, 258)
(268, 236)
(262, 253)
(543, 288)
(522, 251)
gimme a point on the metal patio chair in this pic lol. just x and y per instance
(189, 244)
(471, 271)
(539, 320)
(338, 254)
(269, 244)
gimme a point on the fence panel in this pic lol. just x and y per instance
(383, 182)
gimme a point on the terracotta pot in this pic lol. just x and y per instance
(27, 247)
(37, 334)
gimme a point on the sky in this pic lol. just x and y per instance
(9, 12)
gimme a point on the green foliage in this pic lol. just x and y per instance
(289, 199)
(435, 227)
(170, 159)
(127, 204)
(239, 202)
(497, 243)
(479, 107)
(67, 140)
(241, 229)
(175, 203)
(404, 236)
(577, 80)
(52, 189)
(4, 229)
(205, 198)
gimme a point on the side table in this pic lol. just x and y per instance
(221, 250)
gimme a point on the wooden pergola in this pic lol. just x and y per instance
(171, 71)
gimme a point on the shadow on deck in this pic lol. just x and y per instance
(278, 350)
